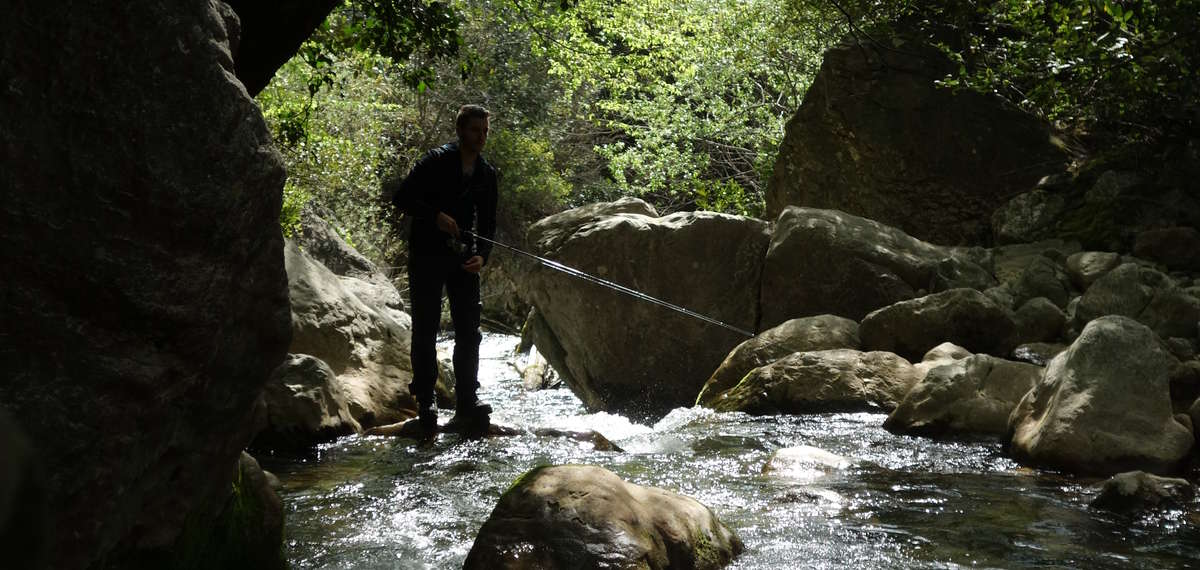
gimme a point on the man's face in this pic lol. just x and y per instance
(473, 135)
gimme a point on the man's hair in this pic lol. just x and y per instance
(468, 112)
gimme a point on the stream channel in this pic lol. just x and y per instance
(383, 503)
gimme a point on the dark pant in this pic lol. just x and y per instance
(427, 276)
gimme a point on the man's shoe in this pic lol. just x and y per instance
(427, 419)
(472, 421)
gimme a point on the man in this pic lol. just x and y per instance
(451, 189)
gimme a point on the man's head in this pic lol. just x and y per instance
(472, 128)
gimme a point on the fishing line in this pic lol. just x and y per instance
(610, 285)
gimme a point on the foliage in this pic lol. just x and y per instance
(684, 101)
(1115, 69)
(335, 142)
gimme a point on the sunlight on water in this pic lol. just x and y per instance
(900, 502)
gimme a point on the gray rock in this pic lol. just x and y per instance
(624, 355)
(1010, 261)
(974, 395)
(580, 516)
(1088, 266)
(797, 335)
(365, 347)
(1043, 278)
(1028, 216)
(1039, 320)
(963, 316)
(1143, 294)
(942, 354)
(140, 225)
(1138, 491)
(861, 143)
(305, 405)
(1103, 406)
(1177, 248)
(822, 381)
(829, 262)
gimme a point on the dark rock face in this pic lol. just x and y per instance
(876, 138)
(149, 304)
(271, 33)
(23, 517)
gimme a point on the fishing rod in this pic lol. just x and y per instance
(609, 284)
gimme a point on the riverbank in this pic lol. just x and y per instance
(904, 502)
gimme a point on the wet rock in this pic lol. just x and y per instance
(796, 335)
(974, 395)
(805, 463)
(1103, 406)
(140, 227)
(822, 381)
(580, 516)
(1145, 295)
(861, 142)
(1138, 491)
(1039, 320)
(305, 405)
(1088, 266)
(624, 355)
(412, 429)
(1177, 248)
(365, 346)
(963, 316)
(1038, 353)
(598, 441)
(830, 262)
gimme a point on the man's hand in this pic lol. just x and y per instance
(474, 264)
(447, 224)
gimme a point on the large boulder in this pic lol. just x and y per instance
(306, 404)
(1144, 294)
(876, 137)
(617, 352)
(140, 214)
(580, 516)
(1103, 406)
(797, 335)
(830, 262)
(974, 395)
(365, 346)
(965, 317)
(822, 381)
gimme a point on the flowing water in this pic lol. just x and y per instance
(384, 503)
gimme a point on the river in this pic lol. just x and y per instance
(384, 503)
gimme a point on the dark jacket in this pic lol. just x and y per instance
(436, 184)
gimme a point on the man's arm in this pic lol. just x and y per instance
(407, 194)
